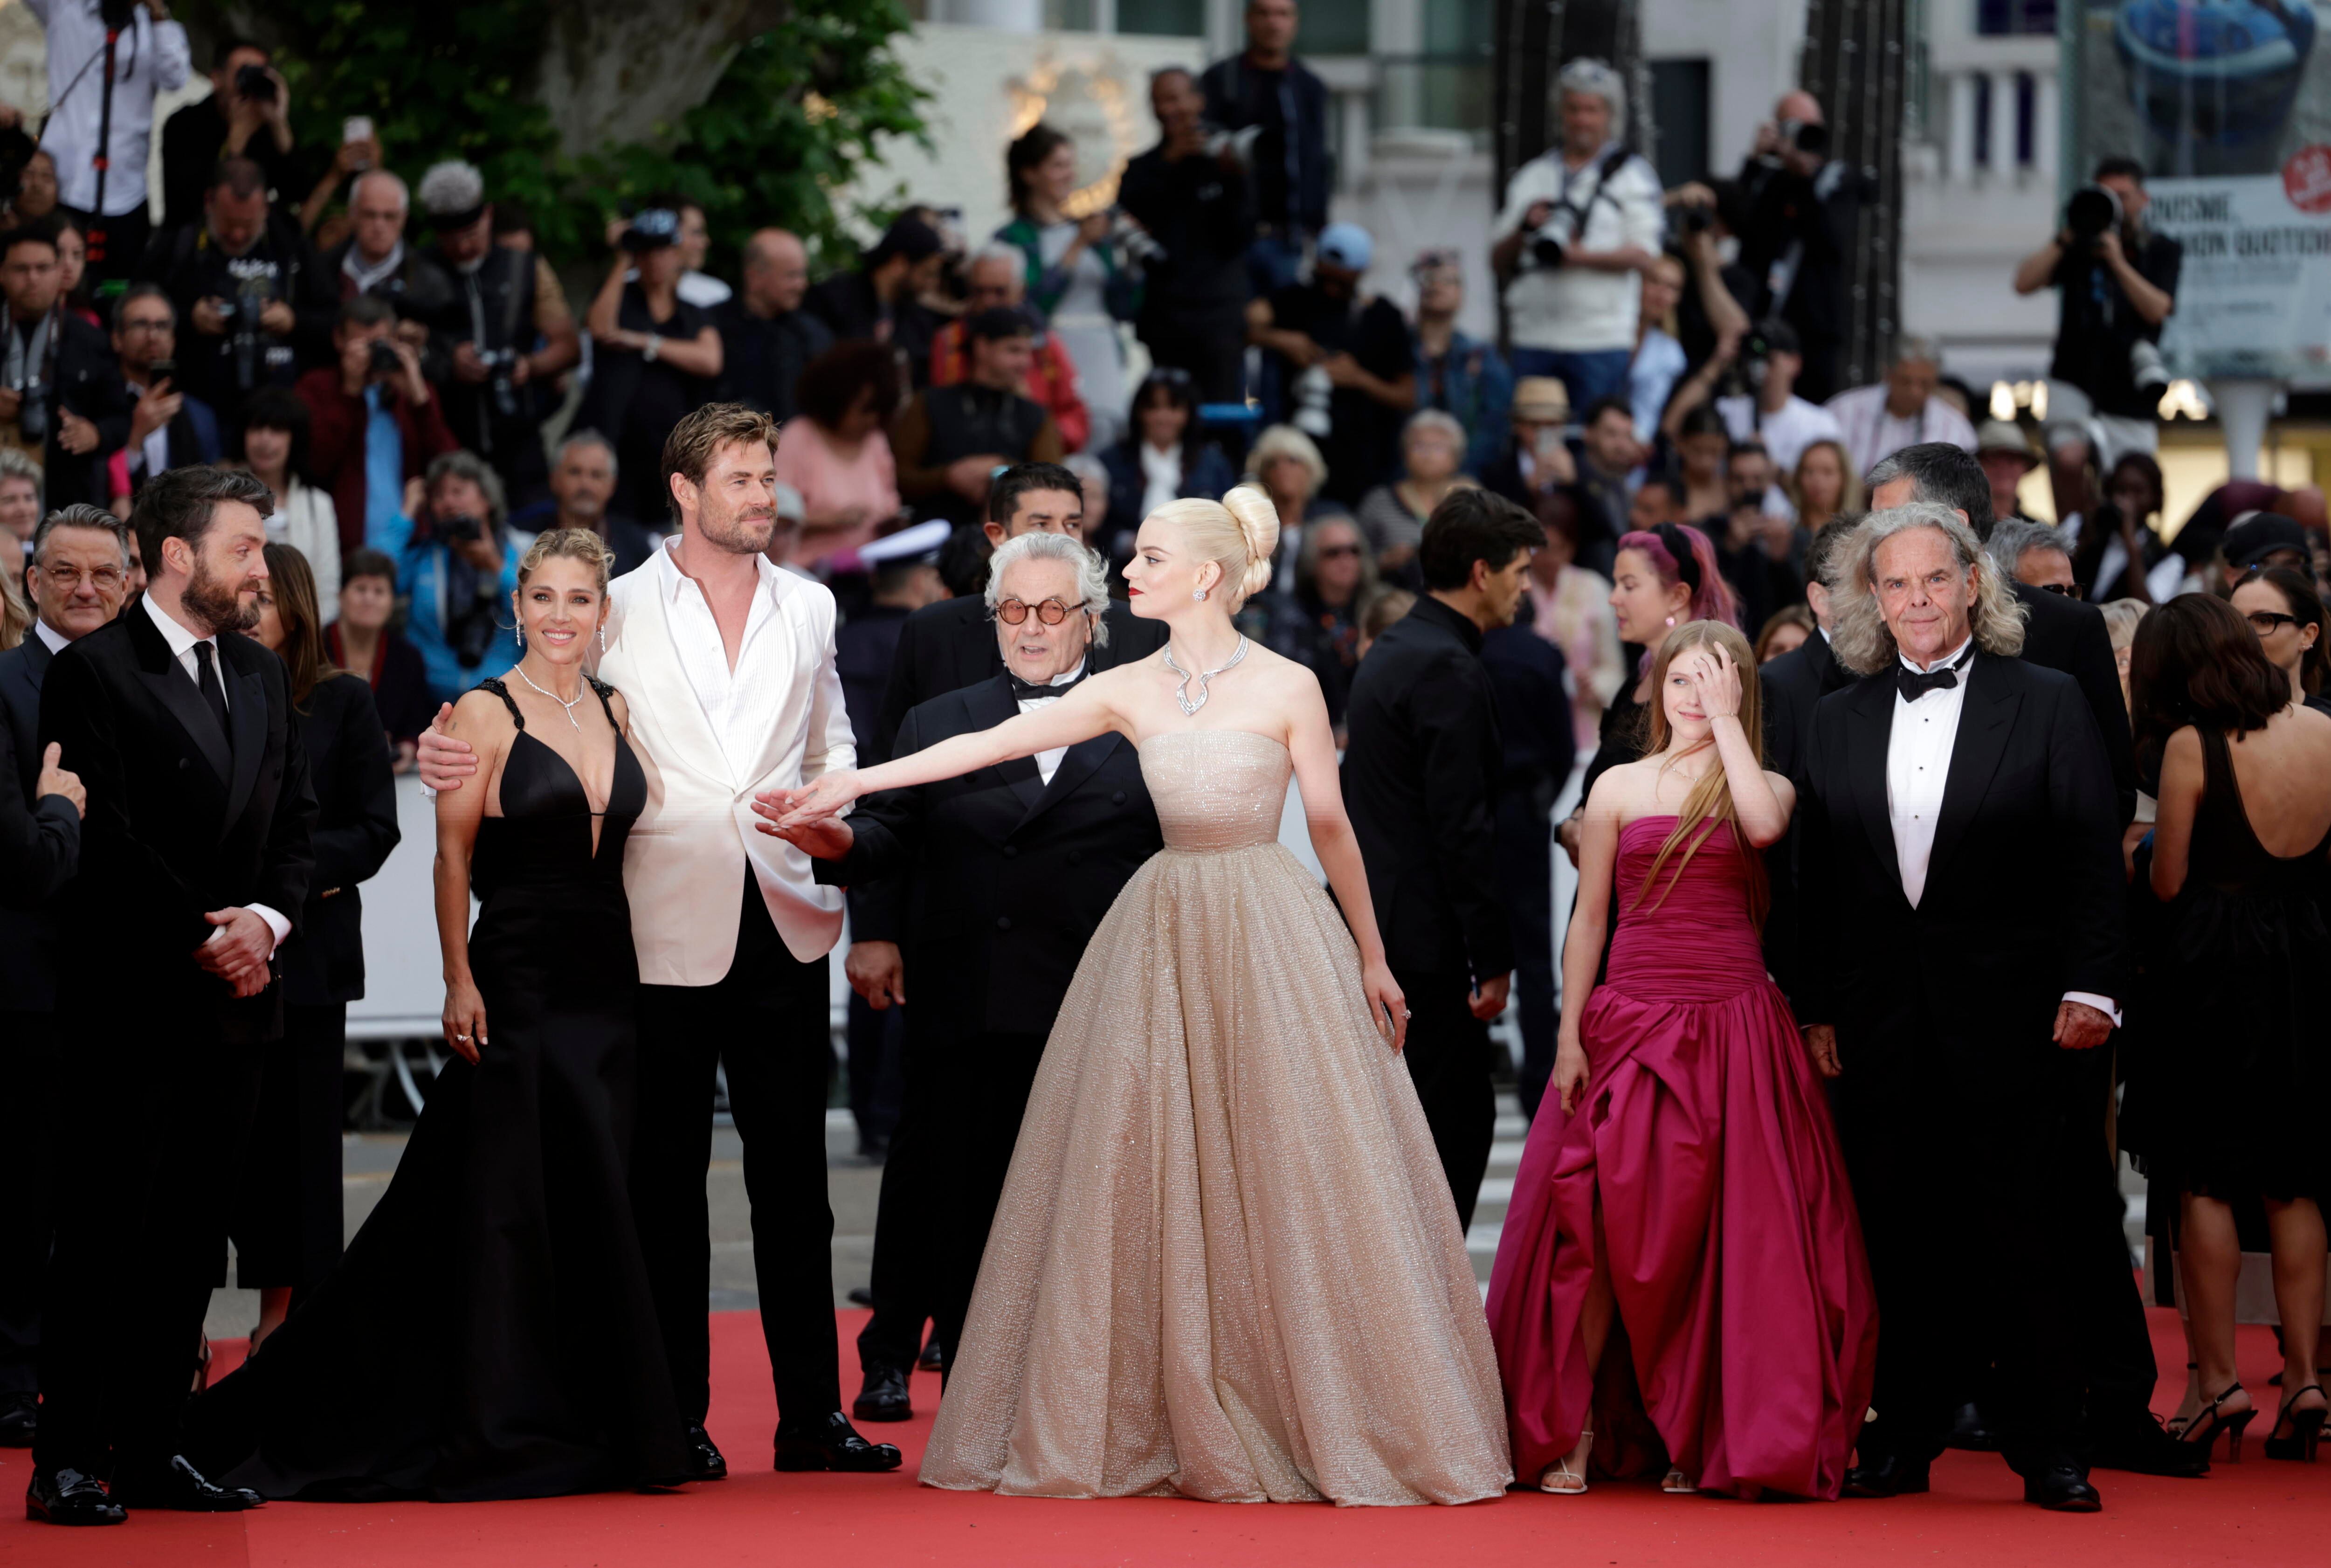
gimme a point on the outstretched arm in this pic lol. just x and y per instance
(1311, 742)
(1087, 711)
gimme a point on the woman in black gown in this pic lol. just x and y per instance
(2241, 852)
(490, 1332)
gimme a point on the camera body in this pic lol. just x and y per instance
(2091, 212)
(384, 359)
(498, 364)
(462, 529)
(252, 82)
(652, 228)
(1804, 135)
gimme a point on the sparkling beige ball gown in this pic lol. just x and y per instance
(1225, 1265)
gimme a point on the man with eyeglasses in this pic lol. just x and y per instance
(79, 581)
(2035, 554)
(998, 879)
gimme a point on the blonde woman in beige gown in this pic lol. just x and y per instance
(1225, 1265)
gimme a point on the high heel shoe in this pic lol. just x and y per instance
(2217, 1419)
(2306, 1428)
(1561, 1478)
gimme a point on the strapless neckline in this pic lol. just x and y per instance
(1184, 734)
(1225, 795)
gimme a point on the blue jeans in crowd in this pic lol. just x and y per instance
(1590, 377)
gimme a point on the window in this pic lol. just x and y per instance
(1680, 93)
(1162, 18)
(2016, 18)
(1333, 27)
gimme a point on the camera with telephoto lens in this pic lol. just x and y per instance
(1807, 137)
(384, 359)
(239, 316)
(499, 363)
(652, 228)
(252, 82)
(2093, 211)
(1139, 245)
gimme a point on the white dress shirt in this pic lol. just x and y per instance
(183, 641)
(1049, 760)
(741, 706)
(1785, 432)
(1874, 432)
(149, 57)
(1917, 768)
(57, 641)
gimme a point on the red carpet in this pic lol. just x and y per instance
(2277, 1515)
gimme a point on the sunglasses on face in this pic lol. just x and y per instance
(2068, 589)
(1052, 611)
(1337, 552)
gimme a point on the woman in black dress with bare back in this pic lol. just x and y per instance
(491, 1333)
(2222, 1107)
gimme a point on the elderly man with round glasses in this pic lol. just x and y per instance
(1005, 873)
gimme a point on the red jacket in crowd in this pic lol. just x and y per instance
(335, 443)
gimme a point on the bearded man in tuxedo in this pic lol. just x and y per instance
(195, 853)
(1963, 1020)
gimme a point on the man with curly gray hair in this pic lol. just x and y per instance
(1006, 874)
(1958, 821)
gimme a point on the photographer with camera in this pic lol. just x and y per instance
(1767, 409)
(1278, 107)
(247, 115)
(1192, 200)
(457, 571)
(61, 401)
(655, 357)
(246, 283)
(1803, 214)
(2118, 280)
(374, 422)
(506, 330)
(1582, 223)
(1346, 372)
(147, 57)
(168, 428)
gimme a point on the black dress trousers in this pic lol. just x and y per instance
(988, 1084)
(766, 1021)
(1449, 1055)
(28, 1057)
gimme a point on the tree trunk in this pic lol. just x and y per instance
(618, 72)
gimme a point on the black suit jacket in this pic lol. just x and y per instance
(949, 645)
(40, 845)
(89, 384)
(1004, 879)
(181, 821)
(2061, 633)
(1419, 774)
(28, 921)
(1793, 687)
(356, 829)
(2023, 899)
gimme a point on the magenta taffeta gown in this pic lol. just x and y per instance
(1734, 1251)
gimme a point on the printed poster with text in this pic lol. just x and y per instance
(2227, 105)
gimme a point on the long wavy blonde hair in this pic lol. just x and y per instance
(1710, 800)
(1858, 634)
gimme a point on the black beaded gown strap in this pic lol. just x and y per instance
(490, 1332)
(2244, 949)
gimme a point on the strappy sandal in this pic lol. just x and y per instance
(2306, 1428)
(1559, 1477)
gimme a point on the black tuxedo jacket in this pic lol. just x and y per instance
(28, 924)
(89, 384)
(1006, 878)
(1419, 776)
(2061, 633)
(356, 829)
(949, 645)
(181, 821)
(1793, 685)
(40, 845)
(2023, 899)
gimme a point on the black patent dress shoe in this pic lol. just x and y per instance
(884, 1398)
(934, 1356)
(178, 1485)
(704, 1460)
(834, 1446)
(70, 1497)
(2138, 1444)
(1887, 1476)
(20, 1418)
(1972, 1430)
(2063, 1489)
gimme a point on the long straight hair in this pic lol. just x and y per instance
(1710, 800)
(293, 586)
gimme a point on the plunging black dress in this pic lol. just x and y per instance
(491, 1333)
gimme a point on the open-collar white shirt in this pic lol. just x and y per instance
(740, 702)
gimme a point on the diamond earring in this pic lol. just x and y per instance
(603, 636)
(1670, 620)
(1201, 594)
(521, 636)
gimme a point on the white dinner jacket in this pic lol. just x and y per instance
(687, 854)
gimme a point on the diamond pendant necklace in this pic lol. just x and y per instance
(554, 697)
(1202, 677)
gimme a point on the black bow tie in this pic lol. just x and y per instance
(1026, 690)
(1913, 684)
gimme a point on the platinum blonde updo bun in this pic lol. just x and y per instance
(1238, 533)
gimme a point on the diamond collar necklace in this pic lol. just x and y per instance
(1202, 677)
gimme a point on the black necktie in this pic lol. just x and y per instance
(1914, 684)
(213, 694)
(1024, 691)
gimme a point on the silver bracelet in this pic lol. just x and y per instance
(648, 350)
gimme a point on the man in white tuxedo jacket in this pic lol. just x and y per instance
(728, 665)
